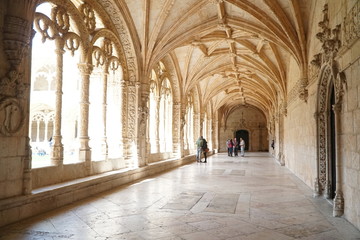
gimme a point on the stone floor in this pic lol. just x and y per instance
(227, 198)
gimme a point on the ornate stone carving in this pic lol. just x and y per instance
(88, 15)
(299, 90)
(11, 117)
(303, 92)
(330, 41)
(351, 26)
(338, 208)
(330, 73)
(131, 111)
(127, 53)
(124, 107)
(144, 114)
(12, 85)
(17, 36)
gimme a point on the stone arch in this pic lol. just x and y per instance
(173, 78)
(330, 79)
(128, 57)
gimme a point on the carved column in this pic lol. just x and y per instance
(338, 209)
(84, 151)
(327, 185)
(124, 139)
(317, 186)
(104, 144)
(143, 126)
(178, 130)
(131, 145)
(157, 120)
(57, 153)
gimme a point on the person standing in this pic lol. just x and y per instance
(236, 147)
(199, 145)
(227, 146)
(242, 147)
(230, 147)
(205, 149)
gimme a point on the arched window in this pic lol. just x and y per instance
(165, 123)
(41, 132)
(113, 118)
(153, 115)
(56, 80)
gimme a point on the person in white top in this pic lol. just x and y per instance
(242, 147)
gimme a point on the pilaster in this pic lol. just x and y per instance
(17, 34)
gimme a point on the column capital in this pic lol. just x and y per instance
(123, 83)
(85, 68)
(336, 108)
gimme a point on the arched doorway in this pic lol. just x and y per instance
(244, 134)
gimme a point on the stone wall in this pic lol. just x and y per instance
(301, 136)
(350, 142)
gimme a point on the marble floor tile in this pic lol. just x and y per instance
(234, 198)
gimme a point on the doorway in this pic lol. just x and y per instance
(244, 134)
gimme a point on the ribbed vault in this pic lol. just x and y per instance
(233, 52)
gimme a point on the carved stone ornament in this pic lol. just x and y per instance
(88, 15)
(11, 85)
(17, 36)
(330, 41)
(11, 116)
(351, 25)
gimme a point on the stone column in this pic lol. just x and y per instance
(178, 130)
(157, 120)
(210, 134)
(201, 125)
(124, 139)
(104, 144)
(338, 209)
(84, 151)
(281, 142)
(317, 187)
(327, 185)
(143, 133)
(131, 145)
(216, 136)
(57, 153)
(197, 127)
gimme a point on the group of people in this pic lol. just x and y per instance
(233, 147)
(202, 148)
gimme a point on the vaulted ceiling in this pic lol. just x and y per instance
(233, 52)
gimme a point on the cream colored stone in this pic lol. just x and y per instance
(217, 63)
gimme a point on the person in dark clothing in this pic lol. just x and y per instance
(205, 149)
